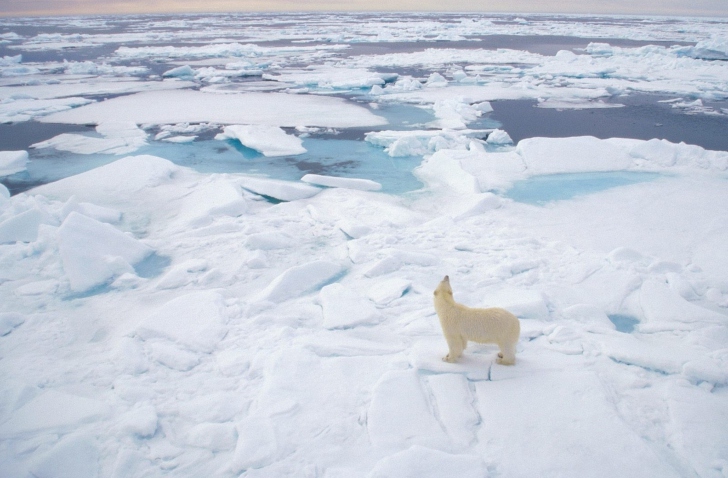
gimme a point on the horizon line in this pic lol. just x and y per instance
(45, 14)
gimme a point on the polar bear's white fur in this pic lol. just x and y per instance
(486, 326)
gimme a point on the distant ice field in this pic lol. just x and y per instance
(220, 236)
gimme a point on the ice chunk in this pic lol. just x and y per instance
(93, 252)
(210, 199)
(588, 315)
(420, 462)
(196, 320)
(344, 308)
(257, 445)
(299, 280)
(398, 259)
(9, 321)
(269, 240)
(185, 72)
(399, 414)
(21, 228)
(118, 179)
(141, 421)
(280, 190)
(579, 154)
(216, 437)
(268, 140)
(100, 213)
(525, 304)
(662, 304)
(388, 290)
(353, 229)
(436, 80)
(12, 162)
(169, 107)
(74, 455)
(480, 204)
(118, 138)
(499, 137)
(24, 109)
(55, 411)
(172, 356)
(422, 142)
(346, 183)
(715, 48)
(441, 170)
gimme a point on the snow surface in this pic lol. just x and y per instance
(274, 342)
(160, 321)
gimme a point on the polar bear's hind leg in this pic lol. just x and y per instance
(507, 354)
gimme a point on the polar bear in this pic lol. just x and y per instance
(486, 326)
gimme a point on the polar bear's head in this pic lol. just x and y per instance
(444, 287)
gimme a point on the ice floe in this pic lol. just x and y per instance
(12, 162)
(267, 139)
(275, 109)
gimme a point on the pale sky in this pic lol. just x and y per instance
(718, 8)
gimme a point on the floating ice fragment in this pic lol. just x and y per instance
(579, 154)
(12, 162)
(169, 107)
(346, 183)
(118, 138)
(25, 109)
(185, 72)
(122, 177)
(442, 171)
(93, 252)
(499, 137)
(436, 80)
(268, 140)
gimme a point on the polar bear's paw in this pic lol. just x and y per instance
(449, 359)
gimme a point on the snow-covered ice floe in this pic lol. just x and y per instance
(276, 109)
(283, 319)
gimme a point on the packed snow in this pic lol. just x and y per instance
(159, 320)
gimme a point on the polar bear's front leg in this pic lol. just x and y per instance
(456, 344)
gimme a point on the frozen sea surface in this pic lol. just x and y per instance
(221, 233)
